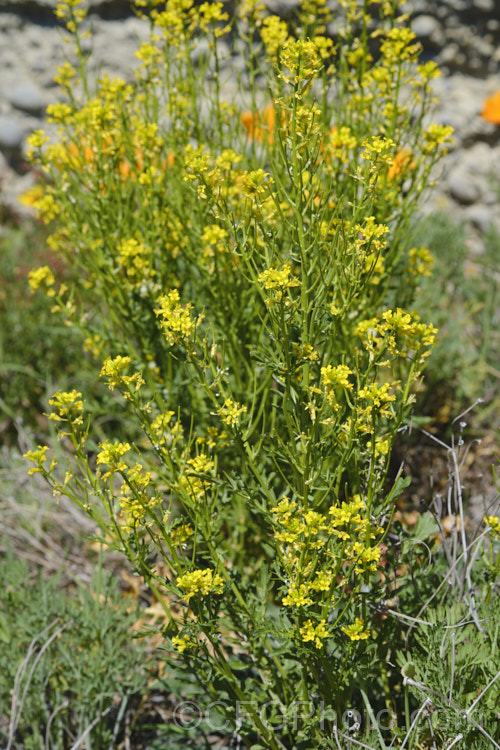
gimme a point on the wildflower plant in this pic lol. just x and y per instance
(240, 266)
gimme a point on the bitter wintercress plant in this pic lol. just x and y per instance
(242, 270)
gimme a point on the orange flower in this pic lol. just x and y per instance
(491, 109)
(260, 125)
(128, 169)
(401, 163)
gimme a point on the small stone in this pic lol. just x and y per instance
(38, 63)
(480, 217)
(463, 190)
(27, 97)
(282, 7)
(10, 22)
(487, 6)
(449, 54)
(425, 27)
(12, 132)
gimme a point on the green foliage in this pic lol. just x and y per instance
(463, 297)
(457, 666)
(67, 663)
(37, 351)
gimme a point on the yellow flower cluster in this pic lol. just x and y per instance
(198, 476)
(399, 332)
(356, 631)
(182, 643)
(211, 14)
(42, 278)
(378, 396)
(134, 500)
(231, 411)
(135, 259)
(110, 454)
(200, 583)
(398, 45)
(166, 434)
(281, 279)
(274, 33)
(421, 261)
(181, 534)
(38, 457)
(68, 407)
(437, 135)
(316, 632)
(311, 544)
(302, 60)
(114, 369)
(176, 320)
(256, 184)
(69, 12)
(494, 523)
(333, 380)
(314, 14)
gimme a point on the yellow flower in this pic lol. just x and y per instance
(110, 454)
(336, 377)
(274, 278)
(230, 412)
(68, 407)
(437, 135)
(113, 369)
(421, 261)
(297, 596)
(176, 321)
(182, 643)
(356, 631)
(301, 58)
(181, 534)
(274, 34)
(200, 583)
(38, 457)
(197, 477)
(311, 632)
(494, 524)
(42, 278)
(256, 184)
(165, 433)
(210, 14)
(31, 196)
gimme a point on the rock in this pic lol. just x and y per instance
(10, 22)
(12, 132)
(480, 217)
(463, 189)
(486, 6)
(427, 28)
(27, 97)
(282, 7)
